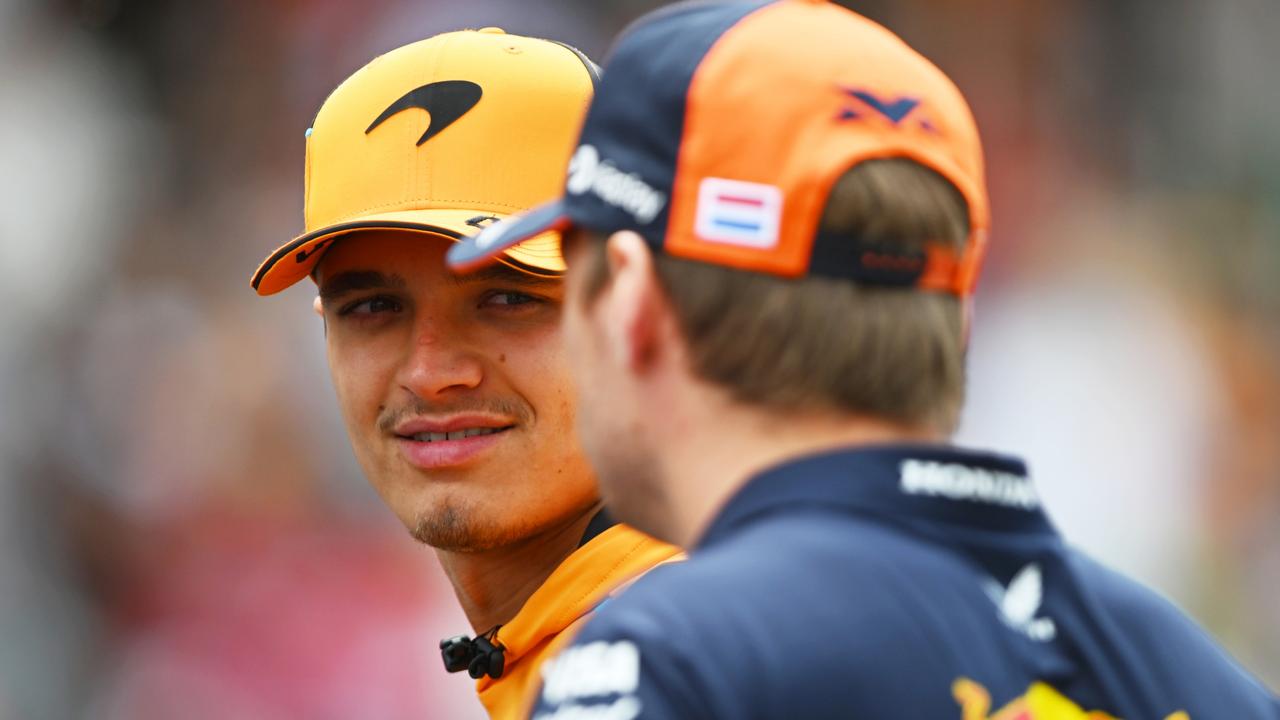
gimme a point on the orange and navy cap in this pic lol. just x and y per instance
(719, 129)
(441, 136)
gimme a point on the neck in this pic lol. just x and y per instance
(735, 442)
(492, 585)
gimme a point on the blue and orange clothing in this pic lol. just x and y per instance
(610, 555)
(893, 582)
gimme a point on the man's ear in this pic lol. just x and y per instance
(632, 304)
(318, 306)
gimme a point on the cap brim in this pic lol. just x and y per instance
(506, 236)
(295, 260)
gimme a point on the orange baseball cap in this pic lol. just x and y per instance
(719, 129)
(441, 136)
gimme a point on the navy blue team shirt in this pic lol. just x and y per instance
(892, 582)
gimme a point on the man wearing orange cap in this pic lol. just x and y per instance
(774, 218)
(455, 393)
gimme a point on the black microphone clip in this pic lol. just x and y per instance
(479, 656)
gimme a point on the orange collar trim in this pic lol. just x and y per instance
(577, 586)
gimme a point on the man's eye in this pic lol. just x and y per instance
(508, 299)
(371, 306)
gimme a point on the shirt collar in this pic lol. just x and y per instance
(578, 584)
(939, 485)
(600, 522)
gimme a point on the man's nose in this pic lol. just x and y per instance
(440, 361)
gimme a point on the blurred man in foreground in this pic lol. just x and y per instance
(455, 393)
(775, 218)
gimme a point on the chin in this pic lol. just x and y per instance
(456, 527)
(458, 521)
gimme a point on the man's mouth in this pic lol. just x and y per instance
(437, 442)
(429, 437)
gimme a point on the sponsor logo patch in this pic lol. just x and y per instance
(625, 708)
(961, 482)
(1040, 702)
(444, 101)
(597, 669)
(738, 213)
(893, 109)
(1019, 603)
(304, 255)
(589, 173)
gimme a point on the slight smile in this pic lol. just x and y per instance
(430, 443)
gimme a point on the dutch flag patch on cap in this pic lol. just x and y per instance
(738, 213)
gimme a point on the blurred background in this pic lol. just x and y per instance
(183, 530)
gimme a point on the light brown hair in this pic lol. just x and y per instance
(820, 343)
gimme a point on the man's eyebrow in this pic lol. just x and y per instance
(507, 275)
(353, 280)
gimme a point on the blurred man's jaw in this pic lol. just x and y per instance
(607, 388)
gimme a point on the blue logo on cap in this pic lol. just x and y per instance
(894, 110)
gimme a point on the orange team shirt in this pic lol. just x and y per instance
(551, 616)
